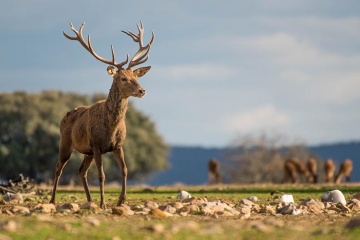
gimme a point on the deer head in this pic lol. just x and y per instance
(126, 80)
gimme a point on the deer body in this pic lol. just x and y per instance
(329, 168)
(294, 167)
(214, 171)
(312, 168)
(100, 128)
(345, 171)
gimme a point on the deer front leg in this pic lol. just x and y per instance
(101, 174)
(119, 155)
(83, 175)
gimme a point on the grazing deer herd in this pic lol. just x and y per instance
(295, 168)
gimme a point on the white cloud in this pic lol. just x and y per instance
(260, 118)
(202, 72)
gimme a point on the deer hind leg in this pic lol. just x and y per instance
(64, 156)
(119, 155)
(88, 159)
(101, 174)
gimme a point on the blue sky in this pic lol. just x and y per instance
(220, 69)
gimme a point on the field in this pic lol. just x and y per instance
(35, 219)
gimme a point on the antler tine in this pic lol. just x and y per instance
(89, 48)
(142, 54)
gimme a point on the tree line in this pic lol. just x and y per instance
(29, 138)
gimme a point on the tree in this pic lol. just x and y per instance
(29, 138)
(260, 159)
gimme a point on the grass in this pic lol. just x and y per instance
(87, 224)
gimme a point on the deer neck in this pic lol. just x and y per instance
(116, 105)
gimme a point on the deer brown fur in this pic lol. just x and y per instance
(345, 171)
(293, 169)
(214, 176)
(329, 169)
(100, 128)
(311, 165)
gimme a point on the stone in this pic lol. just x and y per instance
(353, 223)
(20, 209)
(334, 196)
(151, 205)
(287, 199)
(122, 211)
(45, 207)
(68, 207)
(160, 214)
(89, 205)
(183, 195)
(13, 197)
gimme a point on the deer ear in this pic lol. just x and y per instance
(111, 70)
(141, 71)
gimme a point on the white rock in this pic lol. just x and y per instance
(183, 195)
(253, 198)
(287, 198)
(13, 196)
(334, 196)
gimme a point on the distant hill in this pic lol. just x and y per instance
(189, 164)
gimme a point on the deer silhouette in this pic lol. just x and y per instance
(100, 128)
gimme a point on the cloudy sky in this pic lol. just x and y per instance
(220, 69)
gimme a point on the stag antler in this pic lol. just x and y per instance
(142, 55)
(87, 46)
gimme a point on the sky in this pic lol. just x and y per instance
(220, 69)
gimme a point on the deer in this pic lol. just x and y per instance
(329, 169)
(214, 172)
(311, 165)
(345, 171)
(294, 167)
(100, 128)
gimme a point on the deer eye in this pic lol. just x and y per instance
(123, 79)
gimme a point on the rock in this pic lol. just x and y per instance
(151, 205)
(68, 207)
(20, 209)
(45, 207)
(195, 200)
(9, 226)
(160, 214)
(246, 202)
(253, 198)
(334, 196)
(287, 199)
(176, 205)
(267, 209)
(156, 228)
(168, 208)
(189, 209)
(90, 205)
(353, 223)
(183, 195)
(93, 221)
(357, 196)
(13, 197)
(354, 204)
(288, 209)
(122, 211)
(262, 227)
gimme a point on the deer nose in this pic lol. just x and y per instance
(142, 91)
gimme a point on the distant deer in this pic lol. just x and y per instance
(329, 168)
(294, 167)
(345, 171)
(214, 171)
(311, 165)
(100, 128)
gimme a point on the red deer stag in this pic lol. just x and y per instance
(100, 128)
(312, 168)
(345, 171)
(214, 172)
(329, 168)
(294, 167)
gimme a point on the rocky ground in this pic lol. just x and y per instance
(196, 215)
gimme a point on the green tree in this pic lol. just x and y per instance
(29, 138)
